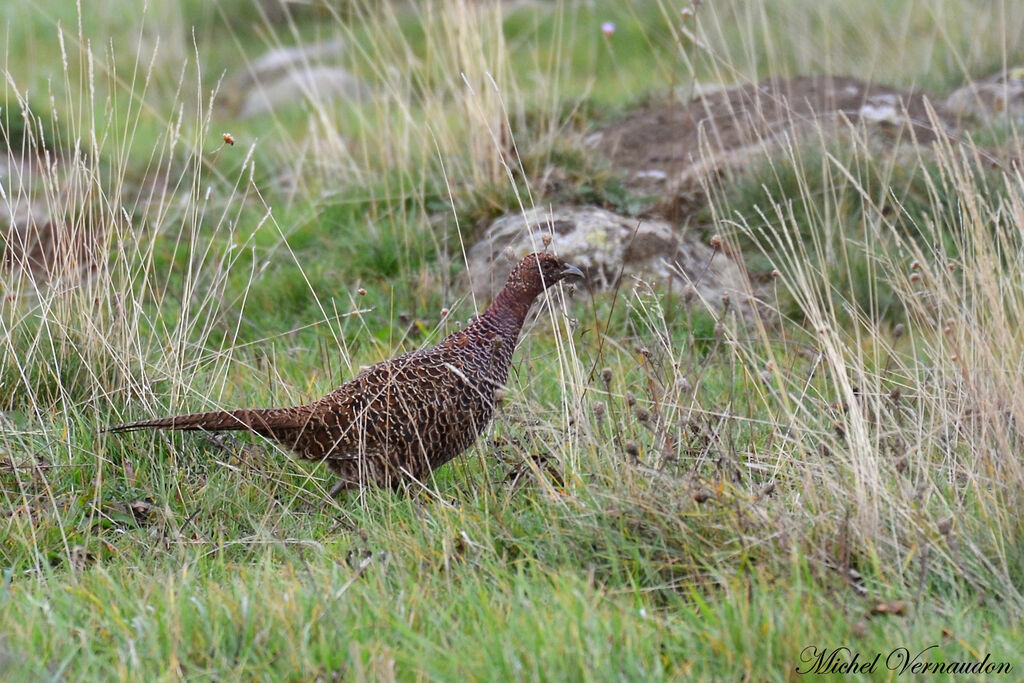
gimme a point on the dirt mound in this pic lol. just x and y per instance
(668, 149)
(1001, 95)
(34, 239)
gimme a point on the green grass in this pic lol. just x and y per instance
(343, 609)
(667, 492)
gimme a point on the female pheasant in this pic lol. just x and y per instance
(403, 417)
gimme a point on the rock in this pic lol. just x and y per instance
(604, 244)
(276, 62)
(998, 96)
(315, 83)
(287, 75)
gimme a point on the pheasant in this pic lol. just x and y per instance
(404, 417)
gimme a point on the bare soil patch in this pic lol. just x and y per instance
(669, 149)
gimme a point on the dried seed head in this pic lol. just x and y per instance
(606, 376)
(945, 526)
(683, 385)
(715, 241)
(546, 239)
(776, 273)
(361, 292)
(630, 399)
(598, 409)
(766, 376)
(444, 312)
(631, 449)
(951, 267)
(915, 277)
(642, 414)
(914, 265)
(898, 330)
(499, 395)
(895, 394)
(688, 293)
(687, 12)
(726, 302)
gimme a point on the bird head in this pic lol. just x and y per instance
(537, 272)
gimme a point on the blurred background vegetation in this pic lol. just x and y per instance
(671, 490)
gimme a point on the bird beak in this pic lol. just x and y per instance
(571, 270)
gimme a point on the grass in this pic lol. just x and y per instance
(668, 492)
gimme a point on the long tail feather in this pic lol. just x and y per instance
(260, 421)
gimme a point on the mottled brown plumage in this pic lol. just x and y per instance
(406, 416)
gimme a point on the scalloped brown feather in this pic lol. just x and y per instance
(406, 416)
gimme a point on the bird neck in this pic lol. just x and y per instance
(508, 311)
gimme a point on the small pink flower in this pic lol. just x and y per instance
(608, 28)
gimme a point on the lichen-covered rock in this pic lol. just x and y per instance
(608, 246)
